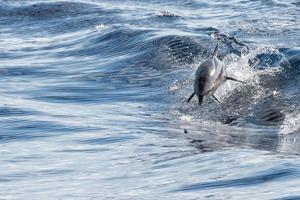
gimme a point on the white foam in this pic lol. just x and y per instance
(185, 118)
(236, 67)
(290, 124)
(99, 26)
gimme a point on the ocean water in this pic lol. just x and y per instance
(93, 100)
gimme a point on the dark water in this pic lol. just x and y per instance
(93, 100)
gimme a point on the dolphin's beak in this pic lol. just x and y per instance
(200, 99)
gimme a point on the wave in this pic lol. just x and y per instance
(130, 63)
(269, 98)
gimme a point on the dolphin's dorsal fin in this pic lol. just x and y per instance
(215, 50)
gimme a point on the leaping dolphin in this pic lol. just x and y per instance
(209, 76)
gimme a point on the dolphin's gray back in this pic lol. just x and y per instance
(209, 76)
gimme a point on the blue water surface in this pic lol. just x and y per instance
(93, 100)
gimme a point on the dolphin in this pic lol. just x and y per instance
(209, 76)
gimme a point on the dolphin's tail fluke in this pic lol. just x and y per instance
(215, 50)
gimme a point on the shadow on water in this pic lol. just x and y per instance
(263, 177)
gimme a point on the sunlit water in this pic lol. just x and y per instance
(93, 100)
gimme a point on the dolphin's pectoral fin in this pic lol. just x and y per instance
(200, 99)
(215, 98)
(233, 79)
(190, 98)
